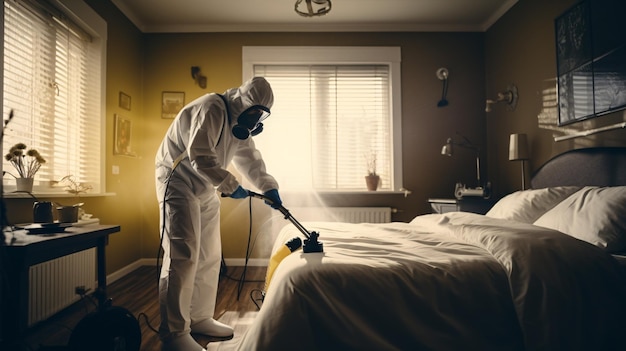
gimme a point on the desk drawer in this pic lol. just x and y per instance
(444, 208)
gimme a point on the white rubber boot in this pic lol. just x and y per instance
(213, 328)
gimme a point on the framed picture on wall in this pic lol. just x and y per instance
(171, 103)
(121, 136)
(125, 101)
(574, 64)
(591, 56)
(609, 81)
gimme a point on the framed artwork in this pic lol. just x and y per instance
(171, 103)
(124, 101)
(609, 82)
(121, 136)
(574, 69)
(591, 51)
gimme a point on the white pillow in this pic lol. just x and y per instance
(593, 214)
(528, 205)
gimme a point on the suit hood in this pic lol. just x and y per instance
(256, 91)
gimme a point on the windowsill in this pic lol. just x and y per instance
(37, 194)
(351, 192)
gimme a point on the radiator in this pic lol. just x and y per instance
(343, 214)
(53, 283)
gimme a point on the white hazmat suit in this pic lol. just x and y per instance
(190, 167)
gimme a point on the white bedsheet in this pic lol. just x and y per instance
(454, 281)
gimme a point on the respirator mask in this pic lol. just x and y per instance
(249, 122)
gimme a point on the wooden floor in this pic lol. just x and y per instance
(137, 292)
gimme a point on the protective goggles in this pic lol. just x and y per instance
(249, 122)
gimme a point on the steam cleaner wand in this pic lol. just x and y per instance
(311, 243)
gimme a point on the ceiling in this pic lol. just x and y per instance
(167, 16)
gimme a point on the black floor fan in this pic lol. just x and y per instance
(109, 328)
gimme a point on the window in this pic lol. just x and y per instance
(52, 80)
(333, 112)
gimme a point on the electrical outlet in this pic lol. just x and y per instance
(80, 290)
(115, 170)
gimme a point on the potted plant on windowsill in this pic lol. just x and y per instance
(26, 163)
(73, 213)
(372, 179)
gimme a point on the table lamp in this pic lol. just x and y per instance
(518, 151)
(447, 150)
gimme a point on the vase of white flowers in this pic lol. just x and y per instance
(26, 163)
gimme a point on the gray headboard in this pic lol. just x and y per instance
(599, 166)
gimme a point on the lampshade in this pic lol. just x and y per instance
(518, 147)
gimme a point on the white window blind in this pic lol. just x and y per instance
(52, 82)
(333, 108)
(327, 122)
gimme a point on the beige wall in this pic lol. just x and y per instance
(124, 74)
(517, 49)
(425, 127)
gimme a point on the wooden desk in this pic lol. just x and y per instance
(24, 250)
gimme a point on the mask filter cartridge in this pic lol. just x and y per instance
(249, 122)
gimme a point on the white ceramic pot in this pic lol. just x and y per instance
(24, 184)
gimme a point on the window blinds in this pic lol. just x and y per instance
(327, 122)
(52, 82)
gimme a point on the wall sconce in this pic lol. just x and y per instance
(198, 77)
(509, 97)
(518, 151)
(313, 7)
(442, 75)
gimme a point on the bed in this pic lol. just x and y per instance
(541, 270)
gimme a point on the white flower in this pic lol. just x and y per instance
(26, 163)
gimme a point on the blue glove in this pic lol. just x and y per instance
(274, 198)
(239, 193)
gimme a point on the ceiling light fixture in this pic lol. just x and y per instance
(313, 7)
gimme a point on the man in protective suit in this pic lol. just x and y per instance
(191, 162)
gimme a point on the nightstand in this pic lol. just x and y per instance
(466, 204)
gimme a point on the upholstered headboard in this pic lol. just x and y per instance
(600, 166)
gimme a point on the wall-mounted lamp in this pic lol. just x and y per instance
(509, 97)
(518, 151)
(198, 77)
(313, 7)
(442, 75)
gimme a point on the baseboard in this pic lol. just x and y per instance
(131, 267)
(232, 262)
